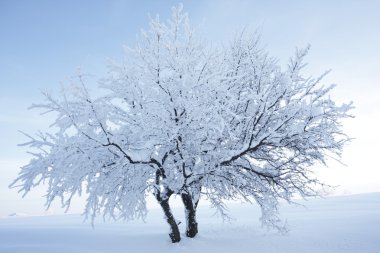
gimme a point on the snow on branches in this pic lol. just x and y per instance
(183, 118)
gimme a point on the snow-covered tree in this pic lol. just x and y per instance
(182, 118)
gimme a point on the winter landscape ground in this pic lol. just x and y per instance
(334, 224)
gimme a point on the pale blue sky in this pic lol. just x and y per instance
(42, 43)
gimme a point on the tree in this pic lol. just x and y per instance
(182, 118)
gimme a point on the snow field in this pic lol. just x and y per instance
(335, 224)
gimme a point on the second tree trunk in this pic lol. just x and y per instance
(190, 213)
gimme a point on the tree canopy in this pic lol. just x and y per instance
(182, 117)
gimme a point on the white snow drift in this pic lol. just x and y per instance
(336, 224)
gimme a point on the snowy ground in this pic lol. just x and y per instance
(336, 224)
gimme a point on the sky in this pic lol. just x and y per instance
(43, 43)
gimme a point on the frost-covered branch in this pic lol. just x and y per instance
(181, 118)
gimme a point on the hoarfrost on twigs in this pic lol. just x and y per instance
(183, 118)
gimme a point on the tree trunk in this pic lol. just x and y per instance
(174, 231)
(190, 215)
